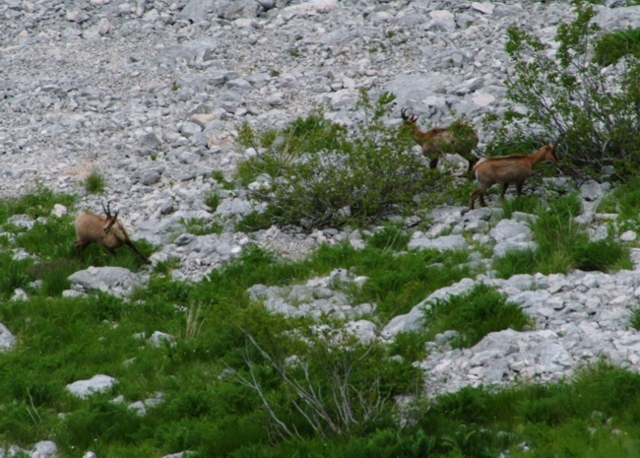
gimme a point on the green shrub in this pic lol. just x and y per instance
(323, 176)
(94, 183)
(474, 315)
(569, 96)
(611, 47)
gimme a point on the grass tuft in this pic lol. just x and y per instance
(95, 183)
(474, 314)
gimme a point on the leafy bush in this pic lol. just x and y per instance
(320, 175)
(569, 95)
(474, 314)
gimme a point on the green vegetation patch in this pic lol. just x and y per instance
(611, 47)
(320, 174)
(566, 95)
(563, 245)
(95, 183)
(474, 315)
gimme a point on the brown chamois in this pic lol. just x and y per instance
(440, 140)
(514, 169)
(103, 230)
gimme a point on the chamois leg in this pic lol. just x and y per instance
(472, 162)
(477, 193)
(519, 188)
(504, 190)
(135, 248)
(482, 202)
(80, 248)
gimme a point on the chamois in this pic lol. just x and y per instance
(103, 230)
(438, 140)
(514, 169)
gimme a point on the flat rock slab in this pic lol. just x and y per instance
(96, 384)
(444, 243)
(113, 280)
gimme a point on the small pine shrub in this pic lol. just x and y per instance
(560, 93)
(95, 183)
(474, 314)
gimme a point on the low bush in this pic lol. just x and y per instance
(321, 175)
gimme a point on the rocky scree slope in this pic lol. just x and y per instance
(149, 94)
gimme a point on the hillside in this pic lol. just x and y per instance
(422, 328)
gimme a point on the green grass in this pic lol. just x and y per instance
(563, 245)
(474, 314)
(205, 408)
(198, 226)
(36, 204)
(50, 244)
(95, 183)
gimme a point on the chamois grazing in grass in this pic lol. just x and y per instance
(103, 230)
(506, 170)
(458, 138)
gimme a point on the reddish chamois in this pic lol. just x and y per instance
(103, 230)
(440, 140)
(506, 170)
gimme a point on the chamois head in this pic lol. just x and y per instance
(110, 219)
(549, 152)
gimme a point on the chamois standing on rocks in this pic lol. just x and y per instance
(103, 230)
(441, 140)
(514, 169)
